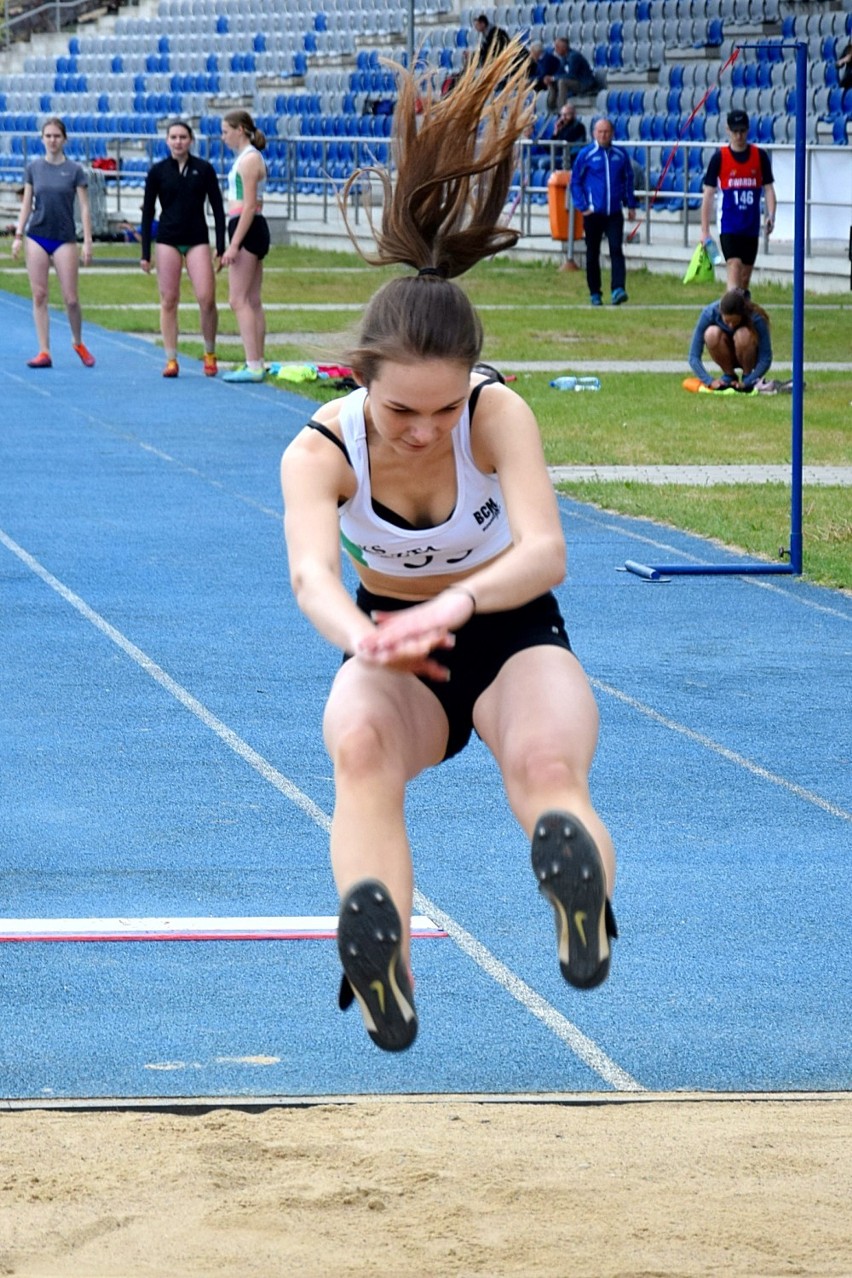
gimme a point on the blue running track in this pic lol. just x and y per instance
(161, 759)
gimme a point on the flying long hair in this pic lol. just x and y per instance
(453, 163)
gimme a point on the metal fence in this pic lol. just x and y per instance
(297, 184)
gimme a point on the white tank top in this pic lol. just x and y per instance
(476, 531)
(236, 195)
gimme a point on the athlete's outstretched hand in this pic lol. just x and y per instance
(404, 640)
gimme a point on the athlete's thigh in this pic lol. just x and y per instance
(66, 262)
(199, 268)
(541, 699)
(241, 277)
(399, 707)
(169, 266)
(38, 264)
(256, 283)
(719, 343)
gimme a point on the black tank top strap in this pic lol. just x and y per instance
(496, 379)
(323, 430)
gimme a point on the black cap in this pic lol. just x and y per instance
(737, 120)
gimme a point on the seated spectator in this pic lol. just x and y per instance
(844, 67)
(548, 66)
(493, 41)
(536, 53)
(573, 76)
(736, 334)
(571, 131)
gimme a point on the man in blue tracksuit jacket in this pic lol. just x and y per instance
(601, 183)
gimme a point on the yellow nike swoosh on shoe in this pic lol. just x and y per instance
(579, 923)
(380, 993)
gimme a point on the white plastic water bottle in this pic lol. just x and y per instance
(588, 384)
(713, 251)
(564, 383)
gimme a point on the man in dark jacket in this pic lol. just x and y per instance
(571, 131)
(494, 39)
(572, 75)
(601, 183)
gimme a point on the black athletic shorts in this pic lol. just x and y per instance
(257, 239)
(742, 246)
(482, 647)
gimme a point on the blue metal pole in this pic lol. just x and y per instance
(794, 565)
(797, 422)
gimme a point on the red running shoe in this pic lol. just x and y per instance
(85, 355)
(42, 360)
(172, 369)
(211, 368)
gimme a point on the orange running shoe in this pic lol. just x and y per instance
(172, 368)
(85, 355)
(211, 368)
(42, 360)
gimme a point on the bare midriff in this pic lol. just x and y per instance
(380, 583)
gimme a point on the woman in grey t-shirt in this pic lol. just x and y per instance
(51, 184)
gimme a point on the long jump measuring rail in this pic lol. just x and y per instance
(793, 564)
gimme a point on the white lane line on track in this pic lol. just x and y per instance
(708, 743)
(583, 1047)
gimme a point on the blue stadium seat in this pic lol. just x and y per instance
(764, 75)
(828, 49)
(749, 75)
(715, 33)
(765, 129)
(835, 101)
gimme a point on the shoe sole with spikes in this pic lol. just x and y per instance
(369, 941)
(571, 876)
